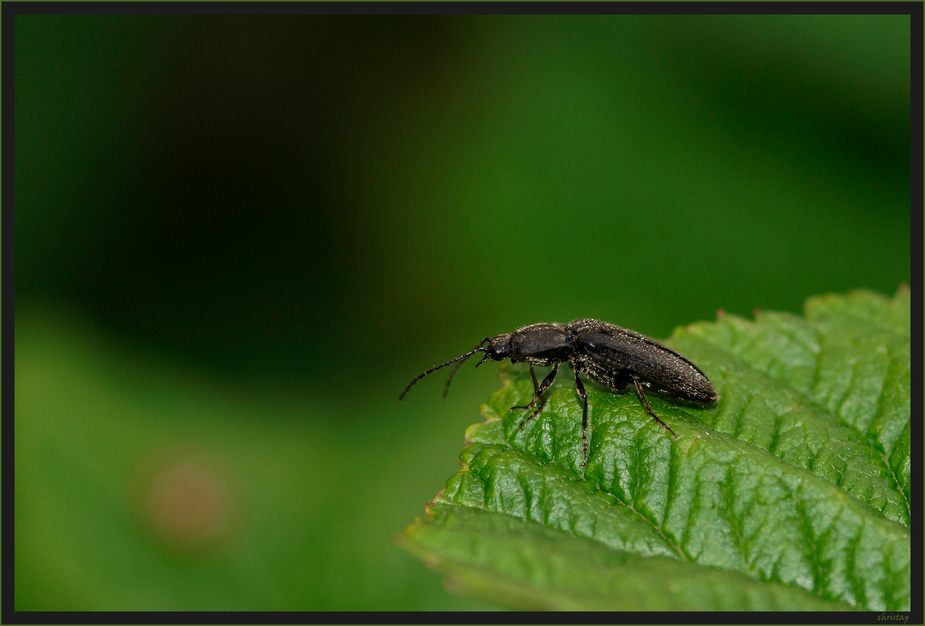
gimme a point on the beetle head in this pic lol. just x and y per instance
(497, 349)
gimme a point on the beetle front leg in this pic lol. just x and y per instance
(540, 390)
(580, 388)
(536, 391)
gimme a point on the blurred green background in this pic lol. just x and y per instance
(238, 238)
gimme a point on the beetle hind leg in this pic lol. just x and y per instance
(645, 403)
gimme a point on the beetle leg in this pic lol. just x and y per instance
(540, 390)
(621, 380)
(536, 392)
(645, 403)
(580, 388)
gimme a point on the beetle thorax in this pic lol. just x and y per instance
(541, 344)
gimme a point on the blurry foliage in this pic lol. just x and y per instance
(238, 238)
(143, 485)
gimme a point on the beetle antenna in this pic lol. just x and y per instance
(446, 389)
(479, 348)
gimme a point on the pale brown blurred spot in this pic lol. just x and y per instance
(185, 499)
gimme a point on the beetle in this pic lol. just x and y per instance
(605, 353)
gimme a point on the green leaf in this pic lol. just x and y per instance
(791, 493)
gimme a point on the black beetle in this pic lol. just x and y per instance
(605, 353)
